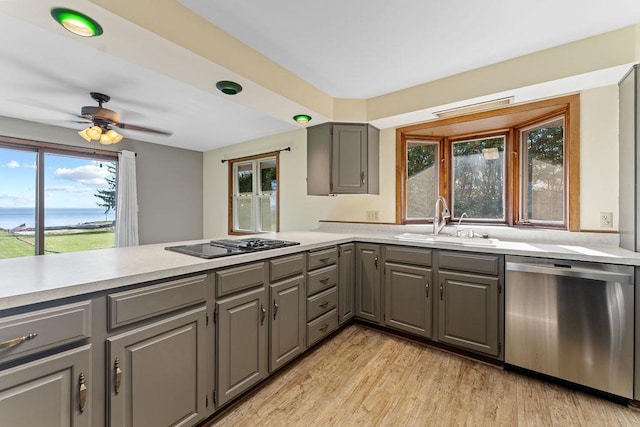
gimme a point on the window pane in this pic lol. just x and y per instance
(268, 213)
(422, 182)
(244, 175)
(243, 207)
(543, 172)
(17, 203)
(79, 204)
(267, 176)
(478, 178)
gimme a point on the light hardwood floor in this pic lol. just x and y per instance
(364, 377)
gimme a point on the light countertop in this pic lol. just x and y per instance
(37, 279)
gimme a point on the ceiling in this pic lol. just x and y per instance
(357, 49)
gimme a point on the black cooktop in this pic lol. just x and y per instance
(227, 247)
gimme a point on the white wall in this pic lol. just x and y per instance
(598, 156)
(598, 174)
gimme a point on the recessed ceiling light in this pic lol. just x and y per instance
(76, 22)
(229, 87)
(302, 118)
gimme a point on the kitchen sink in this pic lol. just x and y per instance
(442, 238)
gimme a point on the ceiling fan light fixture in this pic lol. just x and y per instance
(228, 87)
(76, 22)
(302, 118)
(84, 135)
(114, 136)
(94, 132)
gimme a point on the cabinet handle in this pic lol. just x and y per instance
(427, 289)
(362, 177)
(324, 304)
(263, 314)
(275, 309)
(324, 327)
(441, 292)
(15, 341)
(117, 376)
(324, 259)
(325, 280)
(82, 392)
(375, 261)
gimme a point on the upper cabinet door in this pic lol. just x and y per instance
(349, 161)
(342, 159)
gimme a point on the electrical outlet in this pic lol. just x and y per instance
(606, 219)
(372, 215)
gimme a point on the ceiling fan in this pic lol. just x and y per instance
(103, 121)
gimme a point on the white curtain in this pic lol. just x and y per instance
(127, 201)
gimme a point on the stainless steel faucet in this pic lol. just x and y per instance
(440, 221)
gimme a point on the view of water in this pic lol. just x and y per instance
(14, 217)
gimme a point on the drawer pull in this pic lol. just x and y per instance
(263, 314)
(118, 375)
(324, 304)
(324, 259)
(325, 280)
(275, 309)
(14, 342)
(324, 327)
(82, 392)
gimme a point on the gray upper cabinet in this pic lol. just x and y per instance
(52, 391)
(157, 372)
(408, 290)
(629, 160)
(346, 282)
(368, 282)
(342, 159)
(469, 302)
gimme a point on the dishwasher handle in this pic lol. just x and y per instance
(578, 272)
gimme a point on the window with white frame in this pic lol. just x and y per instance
(254, 199)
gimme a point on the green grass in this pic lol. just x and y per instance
(12, 246)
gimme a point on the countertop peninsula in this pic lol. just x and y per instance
(37, 279)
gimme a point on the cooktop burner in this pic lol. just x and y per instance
(227, 247)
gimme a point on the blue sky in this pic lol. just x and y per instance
(70, 182)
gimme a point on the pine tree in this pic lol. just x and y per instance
(108, 195)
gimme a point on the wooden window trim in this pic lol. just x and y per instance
(230, 179)
(526, 114)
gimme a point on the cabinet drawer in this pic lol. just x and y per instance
(322, 326)
(475, 263)
(406, 255)
(44, 329)
(139, 304)
(323, 278)
(322, 257)
(321, 303)
(286, 266)
(236, 279)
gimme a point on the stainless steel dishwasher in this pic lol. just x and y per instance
(571, 320)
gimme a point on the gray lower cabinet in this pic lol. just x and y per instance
(469, 303)
(157, 372)
(408, 298)
(241, 342)
(346, 282)
(287, 321)
(52, 391)
(368, 282)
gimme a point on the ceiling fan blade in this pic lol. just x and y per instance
(127, 126)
